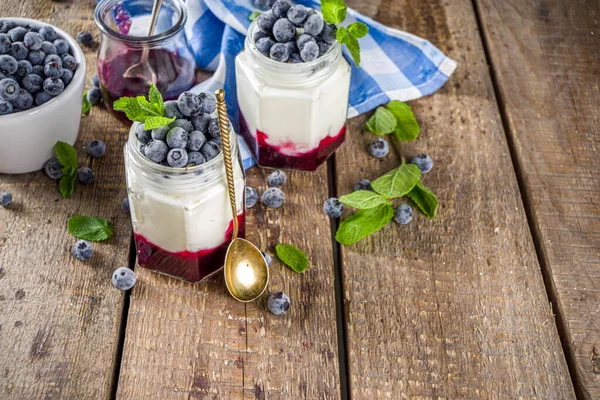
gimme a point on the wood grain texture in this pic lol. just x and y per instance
(455, 307)
(195, 341)
(59, 316)
(545, 56)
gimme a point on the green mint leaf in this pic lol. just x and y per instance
(407, 128)
(156, 99)
(424, 199)
(363, 223)
(344, 37)
(254, 15)
(66, 185)
(86, 105)
(90, 228)
(148, 108)
(292, 256)
(358, 29)
(334, 11)
(156, 122)
(382, 122)
(131, 107)
(363, 199)
(398, 182)
(66, 155)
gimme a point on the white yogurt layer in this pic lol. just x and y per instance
(295, 120)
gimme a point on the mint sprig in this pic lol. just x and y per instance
(292, 256)
(150, 112)
(364, 200)
(424, 199)
(382, 122)
(254, 15)
(398, 182)
(363, 223)
(334, 12)
(67, 156)
(407, 128)
(86, 105)
(90, 228)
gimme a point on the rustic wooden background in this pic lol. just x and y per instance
(496, 298)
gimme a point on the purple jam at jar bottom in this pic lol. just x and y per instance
(175, 74)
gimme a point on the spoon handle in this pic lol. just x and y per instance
(155, 12)
(224, 127)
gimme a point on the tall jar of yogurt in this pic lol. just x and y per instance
(182, 219)
(292, 115)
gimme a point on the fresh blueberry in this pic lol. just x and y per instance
(23, 101)
(209, 102)
(5, 107)
(17, 34)
(281, 7)
(297, 14)
(33, 40)
(172, 109)
(49, 48)
(295, 58)
(123, 278)
(423, 161)
(213, 129)
(303, 39)
(210, 150)
(329, 32)
(53, 70)
(177, 138)
(42, 97)
(8, 64)
(195, 158)
(267, 258)
(142, 135)
(265, 22)
(279, 52)
(292, 47)
(125, 204)
(263, 45)
(257, 36)
(379, 148)
(284, 30)
(67, 77)
(24, 68)
(7, 26)
(403, 214)
(9, 89)
(363, 184)
(277, 178)
(53, 86)
(323, 47)
(278, 303)
(196, 140)
(53, 58)
(273, 197)
(156, 150)
(333, 208)
(96, 81)
(48, 33)
(177, 158)
(251, 197)
(96, 148)
(36, 57)
(310, 51)
(18, 51)
(39, 71)
(200, 122)
(160, 133)
(4, 43)
(70, 63)
(62, 47)
(5, 199)
(85, 175)
(53, 168)
(94, 96)
(182, 123)
(189, 104)
(85, 38)
(82, 250)
(314, 24)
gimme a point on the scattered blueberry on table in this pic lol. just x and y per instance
(273, 197)
(85, 38)
(363, 184)
(278, 303)
(53, 168)
(403, 214)
(6, 199)
(85, 176)
(123, 278)
(82, 250)
(277, 178)
(379, 148)
(94, 96)
(333, 208)
(423, 161)
(125, 204)
(251, 197)
(96, 148)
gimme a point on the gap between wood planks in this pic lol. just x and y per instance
(531, 220)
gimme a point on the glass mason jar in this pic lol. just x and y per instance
(292, 116)
(181, 217)
(124, 26)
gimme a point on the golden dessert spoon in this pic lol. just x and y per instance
(246, 271)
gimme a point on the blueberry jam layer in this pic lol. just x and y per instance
(188, 266)
(272, 157)
(175, 75)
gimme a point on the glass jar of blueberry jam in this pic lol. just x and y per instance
(124, 26)
(292, 115)
(181, 217)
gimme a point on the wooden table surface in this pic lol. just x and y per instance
(496, 298)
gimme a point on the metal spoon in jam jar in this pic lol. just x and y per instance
(246, 271)
(143, 70)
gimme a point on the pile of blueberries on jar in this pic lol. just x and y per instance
(192, 139)
(293, 33)
(35, 66)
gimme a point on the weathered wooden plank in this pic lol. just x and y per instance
(60, 317)
(449, 308)
(544, 55)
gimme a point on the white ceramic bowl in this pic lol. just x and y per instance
(27, 138)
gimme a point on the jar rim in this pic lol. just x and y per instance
(105, 6)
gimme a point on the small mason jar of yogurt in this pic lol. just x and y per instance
(292, 115)
(181, 217)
